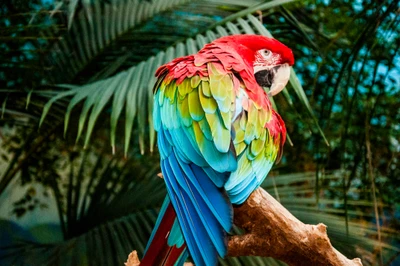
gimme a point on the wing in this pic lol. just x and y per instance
(259, 134)
(193, 114)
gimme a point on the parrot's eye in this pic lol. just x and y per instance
(266, 53)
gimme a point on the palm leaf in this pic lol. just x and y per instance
(138, 92)
(91, 31)
(107, 215)
(98, 25)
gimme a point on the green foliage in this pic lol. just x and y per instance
(84, 70)
(136, 87)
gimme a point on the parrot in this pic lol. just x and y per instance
(218, 137)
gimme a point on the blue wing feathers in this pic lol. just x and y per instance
(163, 147)
(194, 175)
(156, 114)
(203, 172)
(185, 147)
(215, 198)
(194, 250)
(221, 162)
(219, 179)
(211, 224)
(204, 204)
(175, 237)
(194, 232)
(239, 196)
(182, 258)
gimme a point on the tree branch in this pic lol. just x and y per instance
(272, 231)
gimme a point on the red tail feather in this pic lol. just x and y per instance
(159, 252)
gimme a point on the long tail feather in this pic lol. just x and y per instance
(166, 246)
(203, 227)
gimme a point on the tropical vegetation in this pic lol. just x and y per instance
(79, 168)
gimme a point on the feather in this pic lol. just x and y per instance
(181, 260)
(163, 146)
(217, 83)
(185, 147)
(240, 147)
(226, 118)
(195, 81)
(241, 197)
(194, 231)
(160, 93)
(159, 219)
(257, 146)
(221, 135)
(195, 109)
(205, 88)
(205, 128)
(156, 114)
(214, 197)
(208, 104)
(183, 107)
(218, 138)
(221, 162)
(239, 136)
(243, 172)
(219, 179)
(161, 250)
(185, 88)
(202, 203)
(170, 92)
(175, 237)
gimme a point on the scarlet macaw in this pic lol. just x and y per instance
(218, 138)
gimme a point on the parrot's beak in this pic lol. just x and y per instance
(275, 77)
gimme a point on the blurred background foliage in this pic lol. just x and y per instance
(82, 189)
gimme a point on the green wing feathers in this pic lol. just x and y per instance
(228, 130)
(257, 140)
(202, 107)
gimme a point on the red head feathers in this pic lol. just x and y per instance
(254, 43)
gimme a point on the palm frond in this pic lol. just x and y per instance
(136, 87)
(111, 51)
(97, 26)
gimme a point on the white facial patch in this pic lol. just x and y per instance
(261, 67)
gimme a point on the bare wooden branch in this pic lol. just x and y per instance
(272, 231)
(133, 259)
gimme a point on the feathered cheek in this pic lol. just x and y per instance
(260, 61)
(263, 62)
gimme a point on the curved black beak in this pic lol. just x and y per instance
(275, 78)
